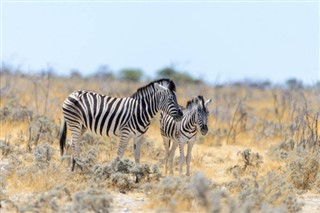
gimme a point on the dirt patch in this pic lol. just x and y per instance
(311, 203)
(131, 202)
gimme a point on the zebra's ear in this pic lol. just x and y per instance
(160, 87)
(208, 102)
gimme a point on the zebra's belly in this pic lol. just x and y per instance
(116, 131)
(103, 131)
(179, 135)
(186, 136)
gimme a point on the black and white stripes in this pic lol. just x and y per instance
(179, 133)
(122, 117)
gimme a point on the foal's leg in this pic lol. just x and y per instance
(171, 155)
(190, 146)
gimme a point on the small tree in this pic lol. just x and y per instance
(180, 77)
(75, 74)
(294, 83)
(103, 72)
(131, 74)
(167, 73)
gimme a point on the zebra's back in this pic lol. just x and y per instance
(103, 115)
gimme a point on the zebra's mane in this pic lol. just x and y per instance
(195, 101)
(145, 89)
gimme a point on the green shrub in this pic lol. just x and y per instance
(134, 75)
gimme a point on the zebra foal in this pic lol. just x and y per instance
(184, 131)
(126, 118)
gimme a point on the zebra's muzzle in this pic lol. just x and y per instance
(204, 130)
(179, 116)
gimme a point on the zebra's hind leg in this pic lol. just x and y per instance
(136, 147)
(188, 158)
(76, 134)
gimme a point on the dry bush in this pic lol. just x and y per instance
(56, 200)
(303, 170)
(316, 185)
(42, 129)
(124, 174)
(43, 155)
(172, 193)
(92, 200)
(87, 162)
(301, 152)
(281, 150)
(7, 205)
(13, 111)
(6, 148)
(270, 193)
(61, 199)
(249, 162)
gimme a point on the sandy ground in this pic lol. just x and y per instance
(137, 202)
(311, 203)
(132, 202)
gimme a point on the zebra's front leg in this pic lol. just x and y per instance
(188, 158)
(136, 147)
(182, 157)
(123, 145)
(166, 143)
(171, 156)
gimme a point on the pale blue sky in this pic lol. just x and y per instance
(216, 41)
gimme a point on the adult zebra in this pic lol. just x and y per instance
(180, 133)
(126, 118)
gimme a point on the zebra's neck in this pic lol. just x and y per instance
(147, 109)
(189, 121)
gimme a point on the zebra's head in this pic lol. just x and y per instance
(202, 113)
(167, 99)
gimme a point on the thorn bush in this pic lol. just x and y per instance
(92, 200)
(13, 111)
(124, 174)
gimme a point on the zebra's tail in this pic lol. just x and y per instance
(63, 135)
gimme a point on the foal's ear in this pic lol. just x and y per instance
(160, 87)
(207, 102)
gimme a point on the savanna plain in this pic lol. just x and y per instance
(261, 153)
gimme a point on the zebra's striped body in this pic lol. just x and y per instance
(122, 117)
(184, 131)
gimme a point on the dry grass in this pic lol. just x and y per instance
(278, 126)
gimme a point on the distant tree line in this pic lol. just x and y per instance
(103, 72)
(137, 75)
